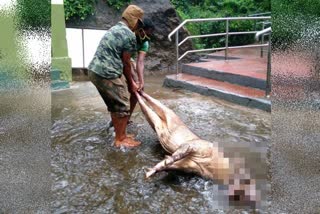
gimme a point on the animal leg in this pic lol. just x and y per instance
(156, 105)
(167, 163)
(151, 116)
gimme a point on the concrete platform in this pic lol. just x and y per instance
(241, 95)
(241, 79)
(246, 72)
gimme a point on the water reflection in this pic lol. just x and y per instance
(90, 175)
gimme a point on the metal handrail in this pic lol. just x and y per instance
(216, 34)
(260, 14)
(215, 19)
(226, 34)
(263, 32)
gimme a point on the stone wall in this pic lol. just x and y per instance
(163, 53)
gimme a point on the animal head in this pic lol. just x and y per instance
(242, 188)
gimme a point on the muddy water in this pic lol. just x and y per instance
(91, 176)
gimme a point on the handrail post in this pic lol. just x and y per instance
(227, 40)
(83, 58)
(177, 50)
(262, 41)
(268, 88)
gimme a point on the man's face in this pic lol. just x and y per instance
(135, 27)
(143, 34)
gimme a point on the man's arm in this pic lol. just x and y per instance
(140, 69)
(127, 71)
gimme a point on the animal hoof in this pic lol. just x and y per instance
(150, 173)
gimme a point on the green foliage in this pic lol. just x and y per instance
(34, 13)
(81, 9)
(117, 4)
(189, 9)
(291, 18)
(75, 9)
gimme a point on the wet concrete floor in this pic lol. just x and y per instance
(91, 176)
(25, 122)
(295, 160)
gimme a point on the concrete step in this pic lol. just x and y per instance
(220, 57)
(217, 58)
(3, 76)
(59, 84)
(247, 72)
(209, 59)
(250, 97)
(55, 74)
(12, 85)
(56, 82)
(242, 53)
(10, 82)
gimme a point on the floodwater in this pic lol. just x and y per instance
(90, 175)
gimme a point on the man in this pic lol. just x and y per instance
(143, 44)
(110, 71)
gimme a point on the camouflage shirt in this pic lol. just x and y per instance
(107, 60)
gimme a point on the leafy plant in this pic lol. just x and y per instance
(190, 9)
(74, 9)
(291, 18)
(31, 16)
(117, 4)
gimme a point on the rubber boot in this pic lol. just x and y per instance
(121, 139)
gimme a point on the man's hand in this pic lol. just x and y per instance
(133, 87)
(141, 85)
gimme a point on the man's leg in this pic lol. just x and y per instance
(116, 96)
(120, 126)
(133, 98)
(133, 103)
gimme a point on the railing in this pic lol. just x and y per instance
(226, 34)
(263, 24)
(260, 14)
(262, 33)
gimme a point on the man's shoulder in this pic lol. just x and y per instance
(122, 28)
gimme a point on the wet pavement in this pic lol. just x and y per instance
(295, 160)
(295, 140)
(91, 176)
(25, 183)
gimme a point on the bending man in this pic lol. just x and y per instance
(110, 71)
